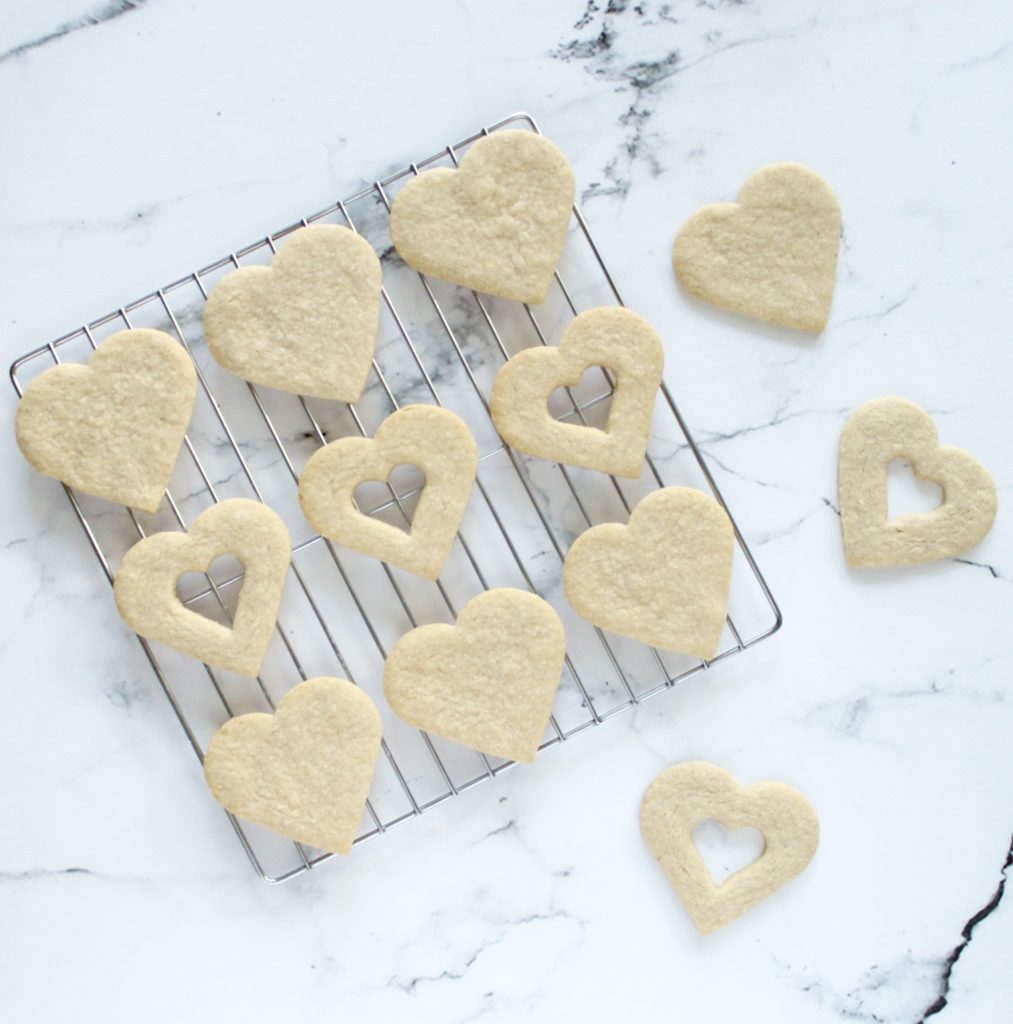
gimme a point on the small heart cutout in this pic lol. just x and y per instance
(308, 323)
(894, 428)
(685, 795)
(435, 440)
(112, 428)
(663, 578)
(305, 771)
(726, 851)
(772, 255)
(489, 680)
(497, 224)
(145, 586)
(612, 337)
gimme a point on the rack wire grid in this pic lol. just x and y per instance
(341, 611)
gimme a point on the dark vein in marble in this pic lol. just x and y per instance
(966, 934)
(96, 16)
(996, 575)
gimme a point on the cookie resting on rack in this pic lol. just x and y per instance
(686, 795)
(489, 680)
(663, 578)
(772, 255)
(305, 771)
(496, 224)
(308, 323)
(145, 586)
(113, 427)
(885, 429)
(610, 337)
(435, 440)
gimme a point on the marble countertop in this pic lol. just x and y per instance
(144, 137)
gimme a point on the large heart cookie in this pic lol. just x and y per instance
(772, 255)
(894, 428)
(306, 324)
(435, 440)
(304, 771)
(663, 578)
(608, 336)
(145, 586)
(497, 224)
(112, 428)
(489, 680)
(683, 796)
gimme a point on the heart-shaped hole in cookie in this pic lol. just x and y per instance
(907, 493)
(726, 852)
(375, 497)
(591, 395)
(196, 593)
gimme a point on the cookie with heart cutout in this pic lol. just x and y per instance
(772, 255)
(608, 336)
(685, 795)
(433, 439)
(308, 323)
(145, 586)
(875, 434)
(496, 224)
(663, 578)
(489, 680)
(305, 771)
(112, 428)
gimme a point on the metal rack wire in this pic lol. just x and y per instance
(341, 612)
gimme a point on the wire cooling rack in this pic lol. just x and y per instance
(341, 611)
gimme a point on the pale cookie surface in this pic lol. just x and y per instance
(894, 428)
(308, 323)
(112, 428)
(497, 224)
(611, 337)
(489, 680)
(145, 586)
(772, 255)
(304, 771)
(663, 578)
(685, 795)
(437, 442)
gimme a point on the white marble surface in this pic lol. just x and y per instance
(141, 139)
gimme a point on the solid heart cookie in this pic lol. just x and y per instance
(308, 323)
(683, 796)
(112, 428)
(772, 255)
(497, 224)
(894, 428)
(663, 578)
(489, 680)
(145, 586)
(304, 771)
(612, 337)
(437, 442)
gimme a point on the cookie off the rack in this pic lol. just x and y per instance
(496, 224)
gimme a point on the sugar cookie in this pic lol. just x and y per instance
(497, 224)
(112, 428)
(489, 680)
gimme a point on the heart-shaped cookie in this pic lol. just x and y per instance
(112, 428)
(489, 680)
(609, 336)
(894, 428)
(497, 224)
(683, 796)
(663, 578)
(308, 323)
(304, 771)
(145, 586)
(435, 440)
(772, 255)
